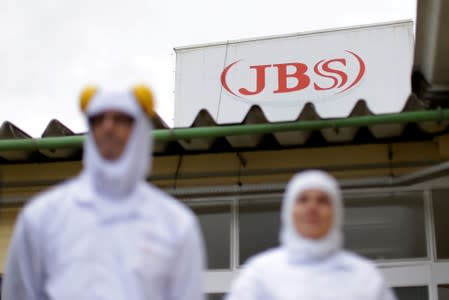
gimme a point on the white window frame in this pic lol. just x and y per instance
(426, 272)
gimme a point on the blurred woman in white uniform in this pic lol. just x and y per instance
(310, 264)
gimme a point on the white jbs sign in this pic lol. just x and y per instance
(332, 70)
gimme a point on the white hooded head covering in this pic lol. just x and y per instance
(301, 249)
(118, 179)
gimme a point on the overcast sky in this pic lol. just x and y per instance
(50, 50)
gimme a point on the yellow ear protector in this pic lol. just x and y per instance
(145, 98)
(142, 93)
(86, 96)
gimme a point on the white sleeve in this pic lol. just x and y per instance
(246, 286)
(386, 294)
(188, 268)
(22, 275)
(383, 291)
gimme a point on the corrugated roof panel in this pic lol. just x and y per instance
(55, 129)
(395, 130)
(203, 119)
(298, 137)
(276, 140)
(254, 116)
(158, 123)
(387, 130)
(11, 131)
(340, 135)
(433, 127)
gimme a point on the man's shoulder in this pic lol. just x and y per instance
(48, 201)
(167, 205)
(267, 259)
(358, 263)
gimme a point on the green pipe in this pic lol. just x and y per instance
(70, 142)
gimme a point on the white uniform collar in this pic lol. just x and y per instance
(106, 209)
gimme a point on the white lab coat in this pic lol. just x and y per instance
(307, 269)
(107, 234)
(343, 276)
(67, 247)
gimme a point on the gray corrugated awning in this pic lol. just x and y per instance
(328, 135)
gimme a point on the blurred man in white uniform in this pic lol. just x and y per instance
(107, 234)
(310, 264)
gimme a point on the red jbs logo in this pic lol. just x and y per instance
(330, 76)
